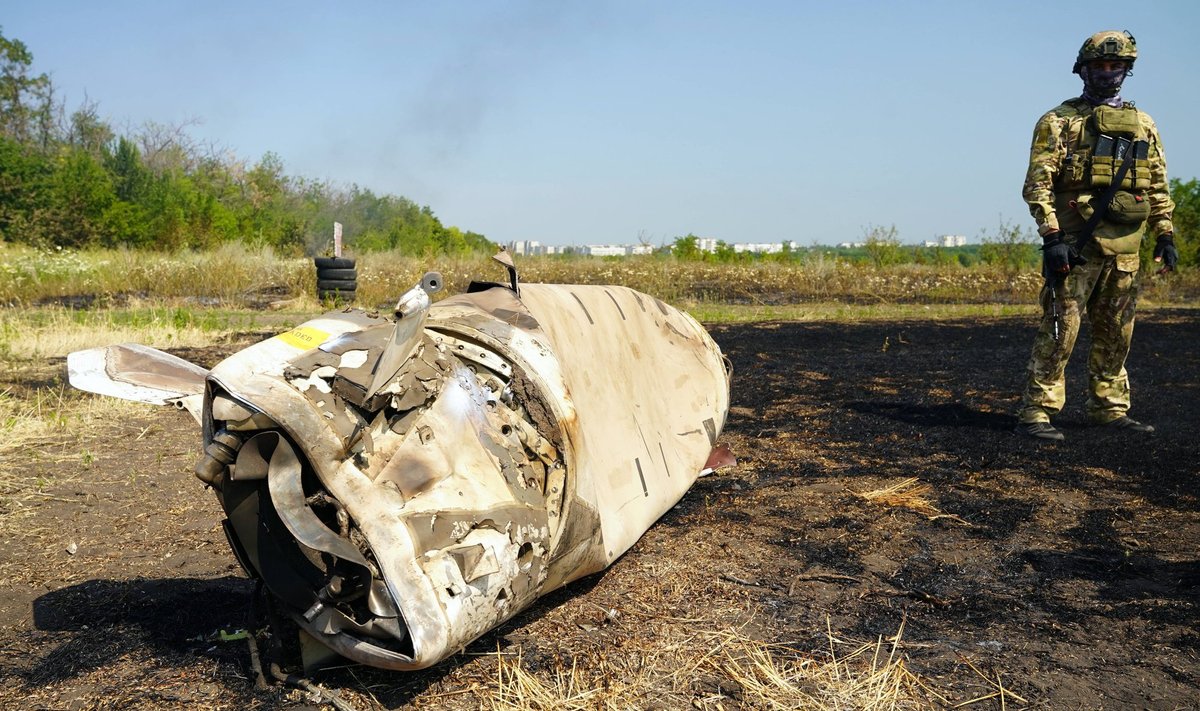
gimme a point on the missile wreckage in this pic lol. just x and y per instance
(402, 483)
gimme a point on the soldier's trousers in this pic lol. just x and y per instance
(1106, 290)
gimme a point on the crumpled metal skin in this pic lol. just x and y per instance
(405, 484)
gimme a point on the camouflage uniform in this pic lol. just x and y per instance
(1059, 187)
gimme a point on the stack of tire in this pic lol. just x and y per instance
(337, 279)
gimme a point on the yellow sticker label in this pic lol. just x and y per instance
(304, 338)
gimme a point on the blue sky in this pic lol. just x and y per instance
(606, 121)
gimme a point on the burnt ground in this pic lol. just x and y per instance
(1070, 569)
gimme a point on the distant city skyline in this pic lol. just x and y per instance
(525, 248)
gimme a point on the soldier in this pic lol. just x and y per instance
(1097, 180)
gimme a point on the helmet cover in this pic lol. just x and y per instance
(1108, 44)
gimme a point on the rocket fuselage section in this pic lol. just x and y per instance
(404, 485)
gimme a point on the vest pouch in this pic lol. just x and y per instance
(1116, 122)
(1121, 126)
(1112, 237)
(1140, 170)
(1083, 203)
(1074, 170)
(1128, 208)
(1101, 171)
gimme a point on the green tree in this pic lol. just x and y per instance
(726, 253)
(130, 177)
(882, 245)
(1012, 248)
(82, 192)
(24, 97)
(88, 132)
(687, 248)
(1187, 219)
(77, 183)
(25, 180)
(787, 253)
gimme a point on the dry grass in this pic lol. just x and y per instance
(909, 494)
(44, 418)
(47, 424)
(230, 271)
(53, 332)
(236, 273)
(718, 669)
(43, 415)
(38, 408)
(997, 691)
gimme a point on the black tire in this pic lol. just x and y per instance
(349, 274)
(330, 284)
(333, 262)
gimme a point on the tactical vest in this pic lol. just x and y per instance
(1105, 135)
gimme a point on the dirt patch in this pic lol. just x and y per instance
(1068, 569)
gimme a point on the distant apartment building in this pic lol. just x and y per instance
(530, 248)
(526, 248)
(763, 247)
(606, 250)
(947, 241)
(617, 250)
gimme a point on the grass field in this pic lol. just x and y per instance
(237, 275)
(55, 303)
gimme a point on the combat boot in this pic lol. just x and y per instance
(1128, 424)
(1040, 430)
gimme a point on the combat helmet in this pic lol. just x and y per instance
(1108, 44)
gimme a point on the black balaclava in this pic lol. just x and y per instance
(1101, 86)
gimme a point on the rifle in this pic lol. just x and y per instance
(1055, 312)
(1054, 281)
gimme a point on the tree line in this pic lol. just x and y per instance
(72, 180)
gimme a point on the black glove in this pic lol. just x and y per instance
(1165, 252)
(1056, 255)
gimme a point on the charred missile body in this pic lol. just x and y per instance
(403, 483)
